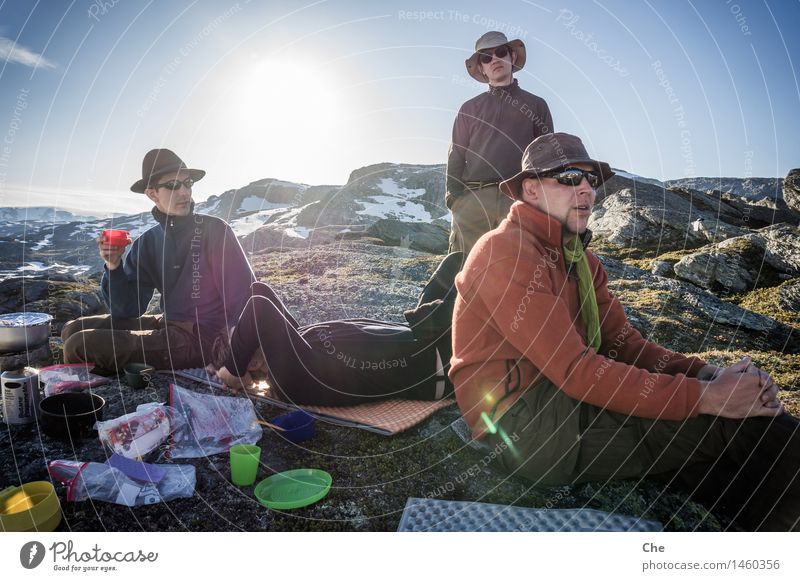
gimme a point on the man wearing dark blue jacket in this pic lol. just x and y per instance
(193, 260)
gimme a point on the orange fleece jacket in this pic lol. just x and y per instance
(517, 320)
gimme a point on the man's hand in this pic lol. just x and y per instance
(258, 364)
(233, 383)
(708, 372)
(769, 394)
(111, 255)
(740, 391)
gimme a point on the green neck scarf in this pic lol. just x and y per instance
(574, 254)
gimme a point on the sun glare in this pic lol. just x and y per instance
(291, 100)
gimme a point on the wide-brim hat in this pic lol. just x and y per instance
(158, 162)
(489, 40)
(548, 153)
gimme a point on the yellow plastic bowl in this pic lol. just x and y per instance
(31, 507)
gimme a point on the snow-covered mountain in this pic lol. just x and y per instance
(263, 213)
(272, 213)
(16, 221)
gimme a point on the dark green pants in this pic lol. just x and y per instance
(112, 344)
(749, 468)
(475, 212)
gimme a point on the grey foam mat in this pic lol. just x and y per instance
(433, 515)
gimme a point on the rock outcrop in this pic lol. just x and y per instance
(684, 317)
(62, 296)
(789, 296)
(431, 238)
(751, 188)
(631, 213)
(791, 190)
(740, 264)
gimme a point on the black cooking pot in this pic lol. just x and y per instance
(69, 416)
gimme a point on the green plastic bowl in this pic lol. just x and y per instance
(293, 488)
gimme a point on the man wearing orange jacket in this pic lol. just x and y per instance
(546, 364)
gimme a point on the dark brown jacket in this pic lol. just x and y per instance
(490, 133)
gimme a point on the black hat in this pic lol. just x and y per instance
(158, 162)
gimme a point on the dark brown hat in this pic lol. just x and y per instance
(548, 153)
(158, 162)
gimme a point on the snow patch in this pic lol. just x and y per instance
(251, 223)
(46, 241)
(36, 268)
(392, 207)
(298, 232)
(389, 186)
(396, 204)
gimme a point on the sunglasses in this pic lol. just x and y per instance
(573, 176)
(500, 52)
(176, 184)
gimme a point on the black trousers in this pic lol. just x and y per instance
(336, 363)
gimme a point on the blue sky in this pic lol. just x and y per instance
(309, 92)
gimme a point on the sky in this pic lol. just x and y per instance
(310, 91)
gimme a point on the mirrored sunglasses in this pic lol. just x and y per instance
(572, 176)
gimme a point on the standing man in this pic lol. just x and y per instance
(489, 135)
(547, 366)
(193, 260)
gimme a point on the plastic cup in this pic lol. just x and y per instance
(32, 507)
(298, 426)
(139, 375)
(117, 237)
(244, 464)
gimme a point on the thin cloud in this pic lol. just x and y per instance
(15, 53)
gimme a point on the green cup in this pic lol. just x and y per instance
(139, 375)
(244, 464)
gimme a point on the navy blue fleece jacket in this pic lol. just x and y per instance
(194, 261)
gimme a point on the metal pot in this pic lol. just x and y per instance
(22, 331)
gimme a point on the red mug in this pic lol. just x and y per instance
(117, 237)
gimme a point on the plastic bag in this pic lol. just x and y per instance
(138, 433)
(92, 480)
(69, 377)
(212, 423)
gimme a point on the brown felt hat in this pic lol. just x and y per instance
(548, 153)
(158, 162)
(493, 39)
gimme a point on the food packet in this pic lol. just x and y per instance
(95, 481)
(69, 377)
(138, 433)
(212, 424)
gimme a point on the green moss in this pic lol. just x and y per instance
(783, 367)
(639, 257)
(765, 301)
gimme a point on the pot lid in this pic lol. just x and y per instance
(24, 319)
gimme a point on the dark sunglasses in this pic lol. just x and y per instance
(500, 52)
(176, 184)
(573, 176)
